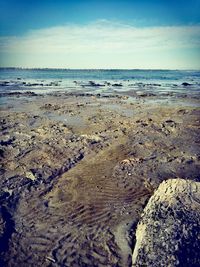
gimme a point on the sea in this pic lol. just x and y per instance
(179, 82)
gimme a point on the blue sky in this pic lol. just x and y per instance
(88, 34)
(17, 16)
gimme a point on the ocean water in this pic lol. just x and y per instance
(48, 80)
(135, 75)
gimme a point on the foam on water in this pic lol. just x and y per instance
(50, 80)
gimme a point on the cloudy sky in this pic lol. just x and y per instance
(100, 34)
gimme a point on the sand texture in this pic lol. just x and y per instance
(77, 171)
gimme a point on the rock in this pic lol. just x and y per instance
(144, 94)
(155, 84)
(50, 259)
(5, 83)
(93, 139)
(186, 84)
(182, 111)
(108, 83)
(50, 107)
(17, 94)
(168, 233)
(170, 123)
(123, 97)
(30, 176)
(117, 84)
(91, 83)
(7, 142)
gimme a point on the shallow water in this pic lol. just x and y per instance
(128, 112)
(43, 80)
(74, 121)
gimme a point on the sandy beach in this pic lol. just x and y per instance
(99, 133)
(79, 168)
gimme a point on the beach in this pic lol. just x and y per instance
(79, 164)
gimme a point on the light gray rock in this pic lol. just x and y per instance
(168, 233)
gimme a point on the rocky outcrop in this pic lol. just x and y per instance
(169, 231)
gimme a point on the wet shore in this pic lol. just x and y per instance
(79, 167)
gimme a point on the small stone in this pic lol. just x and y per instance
(30, 176)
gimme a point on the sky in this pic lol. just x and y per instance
(122, 34)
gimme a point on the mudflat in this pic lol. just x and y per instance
(78, 169)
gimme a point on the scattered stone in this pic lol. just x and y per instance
(91, 83)
(186, 84)
(29, 93)
(30, 176)
(117, 84)
(50, 107)
(51, 259)
(145, 94)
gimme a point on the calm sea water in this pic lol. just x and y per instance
(157, 80)
(135, 75)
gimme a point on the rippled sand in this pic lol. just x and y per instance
(77, 171)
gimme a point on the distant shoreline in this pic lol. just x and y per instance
(101, 69)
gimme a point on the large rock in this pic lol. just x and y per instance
(169, 231)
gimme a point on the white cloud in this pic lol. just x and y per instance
(101, 38)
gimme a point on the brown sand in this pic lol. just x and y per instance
(77, 172)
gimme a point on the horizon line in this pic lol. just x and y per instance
(135, 69)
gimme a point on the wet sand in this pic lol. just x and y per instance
(78, 169)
